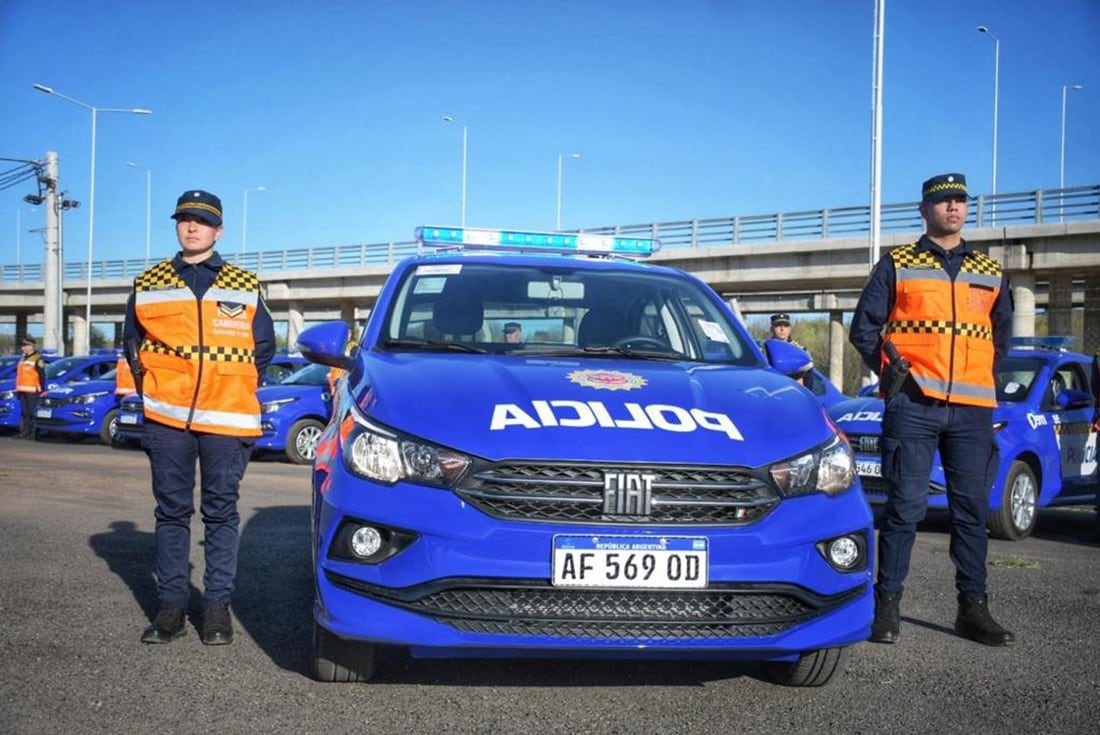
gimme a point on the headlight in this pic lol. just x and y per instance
(830, 469)
(376, 453)
(90, 397)
(273, 406)
(7, 395)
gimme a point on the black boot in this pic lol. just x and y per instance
(169, 625)
(887, 623)
(217, 627)
(975, 622)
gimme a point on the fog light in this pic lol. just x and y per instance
(366, 541)
(844, 552)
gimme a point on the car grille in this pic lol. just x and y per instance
(529, 609)
(46, 401)
(865, 443)
(574, 493)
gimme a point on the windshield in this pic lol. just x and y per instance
(60, 367)
(309, 375)
(532, 310)
(1015, 376)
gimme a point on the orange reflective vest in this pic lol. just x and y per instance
(27, 379)
(124, 379)
(944, 327)
(199, 356)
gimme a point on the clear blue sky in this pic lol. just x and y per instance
(680, 110)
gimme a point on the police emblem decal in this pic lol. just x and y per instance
(230, 309)
(606, 379)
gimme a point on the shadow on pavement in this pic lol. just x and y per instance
(129, 554)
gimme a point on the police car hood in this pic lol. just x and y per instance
(594, 409)
(858, 415)
(61, 388)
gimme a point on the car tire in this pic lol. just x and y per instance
(812, 669)
(341, 661)
(301, 440)
(109, 428)
(1019, 511)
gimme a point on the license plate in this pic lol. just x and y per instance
(868, 468)
(643, 562)
(127, 418)
(44, 413)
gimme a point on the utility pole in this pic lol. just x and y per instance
(53, 337)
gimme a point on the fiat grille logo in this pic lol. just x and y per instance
(627, 493)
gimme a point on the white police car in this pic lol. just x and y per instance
(634, 477)
(1046, 452)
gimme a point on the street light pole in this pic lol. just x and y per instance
(148, 204)
(465, 139)
(91, 198)
(996, 94)
(1062, 154)
(244, 224)
(561, 156)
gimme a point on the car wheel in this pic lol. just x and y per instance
(301, 440)
(341, 661)
(1019, 510)
(108, 430)
(812, 669)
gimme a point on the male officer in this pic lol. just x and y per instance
(30, 378)
(513, 333)
(205, 338)
(948, 311)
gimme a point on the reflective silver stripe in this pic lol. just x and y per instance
(208, 418)
(163, 295)
(249, 298)
(979, 279)
(965, 390)
(922, 274)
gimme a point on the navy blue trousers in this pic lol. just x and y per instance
(912, 430)
(222, 461)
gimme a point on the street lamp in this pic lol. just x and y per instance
(996, 91)
(244, 224)
(91, 198)
(561, 156)
(1062, 156)
(465, 138)
(148, 202)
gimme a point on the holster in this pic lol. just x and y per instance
(133, 359)
(893, 375)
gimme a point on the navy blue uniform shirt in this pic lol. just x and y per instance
(199, 277)
(877, 301)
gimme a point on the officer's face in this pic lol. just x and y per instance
(196, 237)
(781, 331)
(945, 217)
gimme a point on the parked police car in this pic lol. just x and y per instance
(294, 412)
(80, 409)
(1047, 453)
(130, 426)
(633, 478)
(59, 371)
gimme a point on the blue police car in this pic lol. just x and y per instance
(626, 475)
(1047, 454)
(130, 424)
(294, 412)
(60, 371)
(80, 409)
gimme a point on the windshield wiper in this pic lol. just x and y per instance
(433, 345)
(605, 351)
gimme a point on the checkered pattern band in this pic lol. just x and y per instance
(907, 256)
(194, 352)
(926, 326)
(160, 276)
(1067, 429)
(953, 186)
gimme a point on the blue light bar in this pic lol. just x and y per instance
(516, 241)
(1055, 342)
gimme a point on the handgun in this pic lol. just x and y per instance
(894, 374)
(133, 359)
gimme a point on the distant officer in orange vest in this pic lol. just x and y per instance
(205, 337)
(30, 379)
(947, 309)
(124, 378)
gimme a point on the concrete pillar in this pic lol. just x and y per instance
(80, 329)
(20, 329)
(1091, 337)
(294, 323)
(1060, 304)
(118, 333)
(347, 314)
(1023, 297)
(836, 348)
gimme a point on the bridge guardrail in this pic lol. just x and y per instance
(1033, 207)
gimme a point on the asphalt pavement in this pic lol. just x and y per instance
(76, 589)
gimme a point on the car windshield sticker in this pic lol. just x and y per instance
(429, 285)
(584, 414)
(606, 379)
(1012, 388)
(713, 331)
(439, 269)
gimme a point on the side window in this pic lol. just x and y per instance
(1069, 376)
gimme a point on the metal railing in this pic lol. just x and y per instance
(1033, 207)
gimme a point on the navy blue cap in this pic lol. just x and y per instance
(781, 320)
(202, 204)
(944, 186)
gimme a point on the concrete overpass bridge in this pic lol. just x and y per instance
(800, 262)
